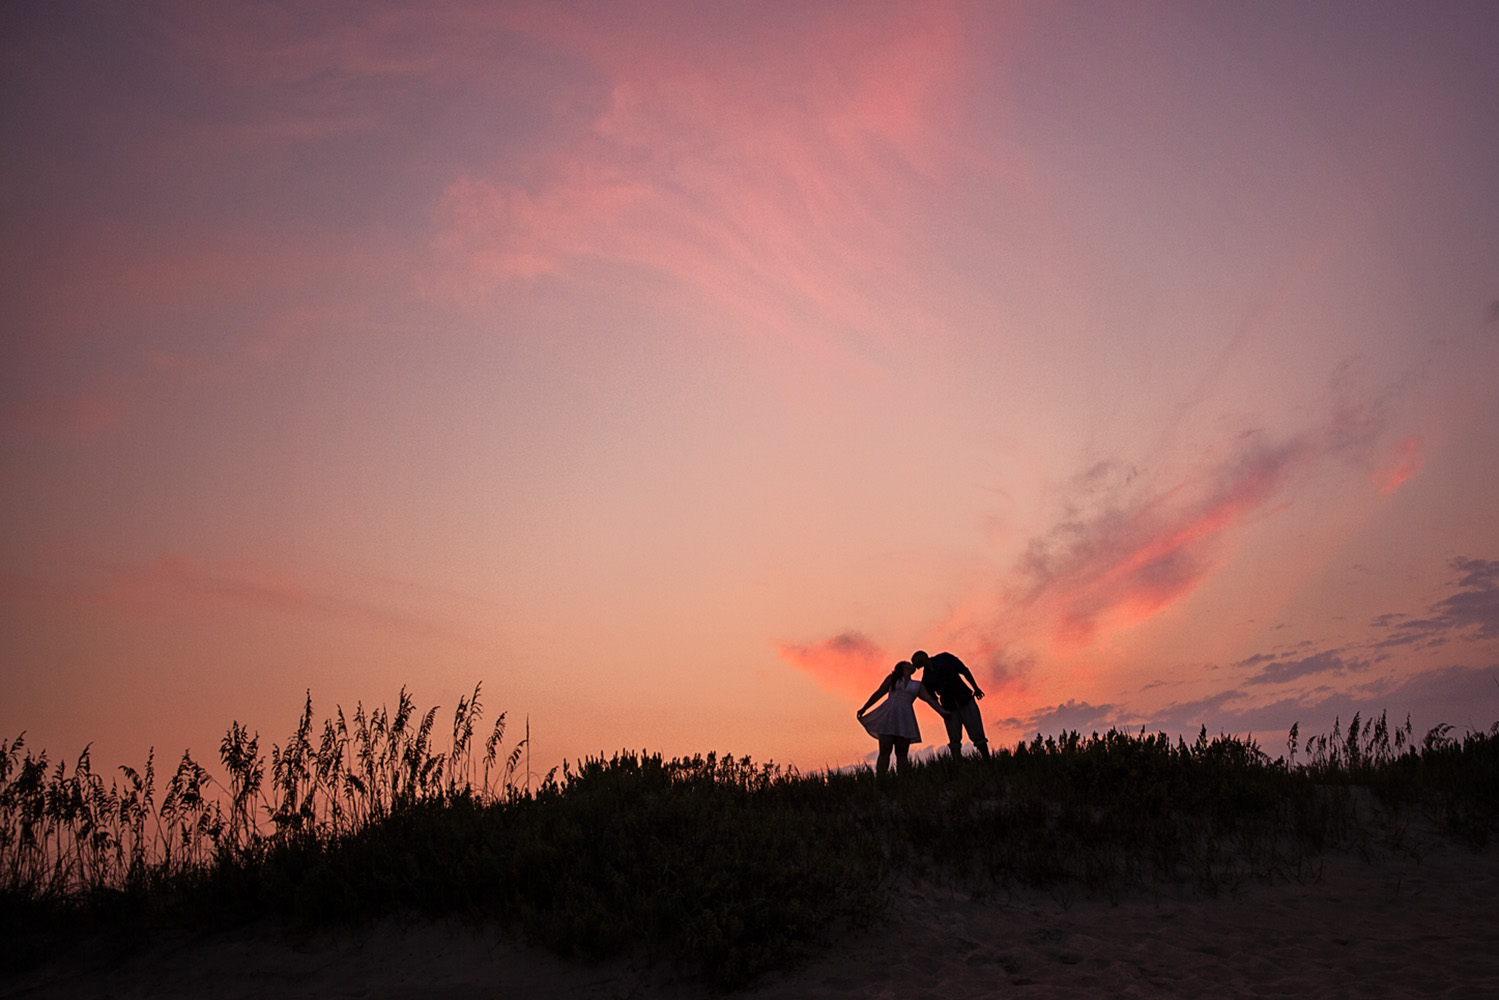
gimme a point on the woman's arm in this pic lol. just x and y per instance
(879, 693)
(926, 696)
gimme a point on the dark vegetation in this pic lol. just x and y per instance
(724, 865)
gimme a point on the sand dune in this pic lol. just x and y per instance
(1379, 927)
(1416, 920)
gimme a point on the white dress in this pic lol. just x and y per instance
(896, 715)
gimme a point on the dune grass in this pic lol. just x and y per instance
(725, 865)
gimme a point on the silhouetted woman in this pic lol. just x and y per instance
(894, 722)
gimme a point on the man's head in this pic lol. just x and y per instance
(918, 659)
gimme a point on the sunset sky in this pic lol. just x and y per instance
(673, 369)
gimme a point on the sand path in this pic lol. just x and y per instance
(1419, 922)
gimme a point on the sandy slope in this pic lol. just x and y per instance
(1419, 921)
(1385, 927)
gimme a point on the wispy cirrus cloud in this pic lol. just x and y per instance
(772, 183)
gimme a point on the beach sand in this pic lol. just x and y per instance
(1417, 920)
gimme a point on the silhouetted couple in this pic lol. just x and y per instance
(946, 684)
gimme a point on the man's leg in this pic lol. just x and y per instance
(973, 721)
(954, 723)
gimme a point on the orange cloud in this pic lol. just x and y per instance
(848, 664)
(1134, 552)
(1126, 562)
(1124, 550)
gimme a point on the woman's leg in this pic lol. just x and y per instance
(902, 748)
(886, 742)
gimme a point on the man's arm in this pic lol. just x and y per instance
(968, 675)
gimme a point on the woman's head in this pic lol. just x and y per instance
(902, 671)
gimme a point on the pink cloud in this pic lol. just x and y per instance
(1406, 461)
(766, 168)
(1135, 551)
(848, 664)
(1128, 561)
(1126, 548)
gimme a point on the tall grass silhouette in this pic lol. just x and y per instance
(67, 833)
(728, 865)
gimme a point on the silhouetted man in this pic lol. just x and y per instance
(946, 677)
